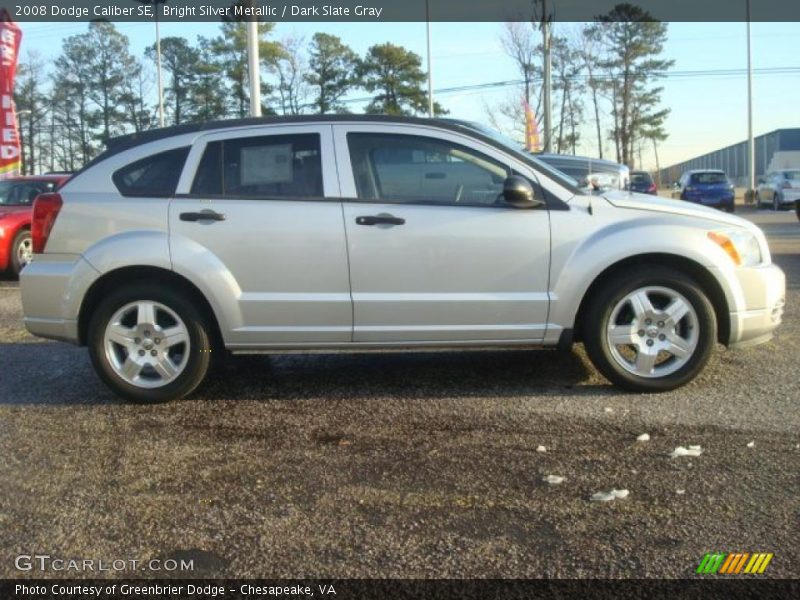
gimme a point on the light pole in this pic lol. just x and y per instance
(254, 72)
(430, 68)
(751, 147)
(253, 68)
(155, 4)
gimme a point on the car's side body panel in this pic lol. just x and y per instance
(284, 273)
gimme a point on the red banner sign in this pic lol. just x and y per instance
(10, 37)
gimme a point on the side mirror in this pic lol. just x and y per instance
(518, 192)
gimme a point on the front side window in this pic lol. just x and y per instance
(275, 166)
(420, 170)
(155, 175)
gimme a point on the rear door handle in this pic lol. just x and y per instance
(379, 220)
(203, 215)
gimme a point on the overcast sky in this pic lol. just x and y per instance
(708, 111)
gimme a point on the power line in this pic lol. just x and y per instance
(721, 73)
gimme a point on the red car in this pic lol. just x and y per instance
(16, 208)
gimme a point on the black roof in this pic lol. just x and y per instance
(121, 143)
(131, 140)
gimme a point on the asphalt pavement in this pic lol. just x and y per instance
(406, 465)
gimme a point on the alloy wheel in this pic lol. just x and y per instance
(25, 251)
(146, 344)
(652, 332)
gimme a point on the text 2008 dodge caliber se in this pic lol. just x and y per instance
(361, 233)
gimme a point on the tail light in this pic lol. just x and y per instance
(45, 211)
(652, 189)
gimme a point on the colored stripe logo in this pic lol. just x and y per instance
(734, 563)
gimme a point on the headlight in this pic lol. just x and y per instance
(741, 245)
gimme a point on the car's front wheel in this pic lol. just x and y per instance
(149, 343)
(651, 329)
(21, 251)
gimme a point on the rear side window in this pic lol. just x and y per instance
(275, 166)
(155, 175)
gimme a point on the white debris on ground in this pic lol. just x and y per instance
(609, 409)
(751, 445)
(609, 496)
(553, 479)
(690, 451)
(680, 492)
(645, 437)
(541, 449)
(602, 497)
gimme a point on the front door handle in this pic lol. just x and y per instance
(379, 220)
(203, 215)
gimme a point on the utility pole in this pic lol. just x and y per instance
(430, 67)
(158, 71)
(547, 84)
(751, 147)
(254, 70)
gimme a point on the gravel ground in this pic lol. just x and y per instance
(406, 465)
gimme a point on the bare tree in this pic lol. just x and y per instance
(291, 69)
(521, 46)
(589, 54)
(30, 96)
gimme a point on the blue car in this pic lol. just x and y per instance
(642, 183)
(706, 187)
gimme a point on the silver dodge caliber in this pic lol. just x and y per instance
(360, 233)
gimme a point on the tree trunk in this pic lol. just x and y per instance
(658, 166)
(597, 119)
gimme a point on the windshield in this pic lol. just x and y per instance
(641, 178)
(22, 193)
(792, 175)
(709, 178)
(514, 147)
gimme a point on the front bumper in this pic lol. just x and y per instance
(763, 292)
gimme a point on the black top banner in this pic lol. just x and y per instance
(399, 10)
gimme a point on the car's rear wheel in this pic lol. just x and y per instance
(651, 329)
(149, 344)
(21, 251)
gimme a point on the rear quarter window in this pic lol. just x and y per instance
(156, 175)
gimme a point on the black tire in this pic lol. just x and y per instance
(602, 303)
(200, 343)
(15, 266)
(797, 209)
